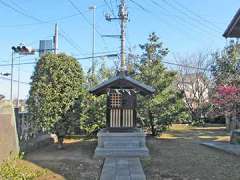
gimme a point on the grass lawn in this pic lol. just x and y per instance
(177, 155)
(24, 170)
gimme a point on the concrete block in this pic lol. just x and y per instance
(235, 136)
(123, 178)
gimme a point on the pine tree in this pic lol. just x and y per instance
(166, 105)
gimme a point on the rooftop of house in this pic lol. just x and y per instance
(1, 97)
(233, 29)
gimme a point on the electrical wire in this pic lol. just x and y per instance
(168, 23)
(78, 58)
(197, 15)
(183, 21)
(20, 12)
(22, 82)
(46, 22)
(85, 18)
(110, 7)
(140, 6)
(194, 20)
(69, 40)
(165, 62)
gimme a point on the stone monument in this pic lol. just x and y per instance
(8, 133)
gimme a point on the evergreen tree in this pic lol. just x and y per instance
(227, 65)
(166, 105)
(93, 117)
(56, 94)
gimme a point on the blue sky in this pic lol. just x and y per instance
(185, 27)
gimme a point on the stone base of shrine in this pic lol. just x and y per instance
(118, 142)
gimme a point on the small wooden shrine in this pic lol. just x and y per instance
(121, 93)
(121, 137)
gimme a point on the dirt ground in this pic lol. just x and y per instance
(74, 162)
(177, 155)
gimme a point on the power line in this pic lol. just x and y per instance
(109, 7)
(197, 15)
(85, 18)
(108, 55)
(186, 66)
(46, 22)
(36, 19)
(189, 17)
(7, 79)
(25, 63)
(85, 58)
(19, 11)
(140, 6)
(183, 21)
(168, 23)
(70, 41)
(85, 54)
(78, 58)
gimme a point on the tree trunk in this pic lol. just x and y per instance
(227, 122)
(153, 130)
(60, 142)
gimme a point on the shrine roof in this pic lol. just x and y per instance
(122, 81)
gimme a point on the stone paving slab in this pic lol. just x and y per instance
(226, 147)
(122, 169)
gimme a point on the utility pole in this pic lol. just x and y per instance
(21, 49)
(123, 16)
(55, 39)
(11, 88)
(18, 88)
(93, 8)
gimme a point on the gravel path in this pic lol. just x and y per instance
(177, 155)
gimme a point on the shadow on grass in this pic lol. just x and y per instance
(73, 162)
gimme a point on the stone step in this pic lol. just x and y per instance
(123, 144)
(121, 152)
(122, 139)
(122, 168)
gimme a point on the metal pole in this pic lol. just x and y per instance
(18, 88)
(11, 88)
(93, 8)
(56, 39)
(123, 18)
